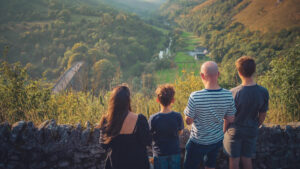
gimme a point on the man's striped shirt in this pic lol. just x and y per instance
(208, 109)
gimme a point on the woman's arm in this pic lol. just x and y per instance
(102, 141)
(102, 134)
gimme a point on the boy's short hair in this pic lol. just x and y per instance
(246, 66)
(165, 94)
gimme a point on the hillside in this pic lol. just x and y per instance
(202, 5)
(144, 8)
(48, 36)
(271, 15)
(228, 29)
(172, 9)
(264, 16)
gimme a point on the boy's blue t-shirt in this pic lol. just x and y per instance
(164, 128)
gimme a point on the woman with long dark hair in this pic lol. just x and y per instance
(124, 134)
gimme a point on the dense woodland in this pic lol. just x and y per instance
(57, 33)
(118, 47)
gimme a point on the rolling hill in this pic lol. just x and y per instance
(261, 15)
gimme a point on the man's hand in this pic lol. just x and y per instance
(189, 120)
(227, 121)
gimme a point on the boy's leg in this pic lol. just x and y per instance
(247, 162)
(210, 163)
(234, 163)
(248, 150)
(174, 161)
(160, 162)
(232, 147)
(193, 156)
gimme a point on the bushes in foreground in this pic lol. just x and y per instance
(24, 99)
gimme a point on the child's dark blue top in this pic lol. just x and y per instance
(164, 128)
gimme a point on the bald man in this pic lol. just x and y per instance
(208, 111)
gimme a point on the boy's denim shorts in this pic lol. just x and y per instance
(195, 154)
(167, 162)
(239, 146)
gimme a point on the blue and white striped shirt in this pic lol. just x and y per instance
(208, 108)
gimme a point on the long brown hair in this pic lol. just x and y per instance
(118, 109)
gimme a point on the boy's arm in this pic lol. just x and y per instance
(150, 124)
(181, 125)
(263, 110)
(261, 118)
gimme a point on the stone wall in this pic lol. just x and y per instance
(278, 147)
(23, 145)
(49, 145)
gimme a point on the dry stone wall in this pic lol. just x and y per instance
(51, 146)
(23, 145)
(278, 147)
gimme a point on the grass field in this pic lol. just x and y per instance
(184, 62)
(164, 31)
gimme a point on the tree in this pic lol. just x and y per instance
(184, 86)
(80, 47)
(283, 83)
(20, 97)
(74, 58)
(64, 15)
(104, 72)
(107, 19)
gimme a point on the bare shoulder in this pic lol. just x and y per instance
(129, 123)
(132, 115)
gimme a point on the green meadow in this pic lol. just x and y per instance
(185, 64)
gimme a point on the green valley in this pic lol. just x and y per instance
(182, 61)
(143, 43)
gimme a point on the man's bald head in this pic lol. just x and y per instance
(209, 68)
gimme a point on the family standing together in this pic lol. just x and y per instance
(218, 118)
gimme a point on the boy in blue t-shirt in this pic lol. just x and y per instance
(165, 127)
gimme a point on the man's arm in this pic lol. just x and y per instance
(189, 120)
(190, 111)
(180, 132)
(261, 117)
(227, 121)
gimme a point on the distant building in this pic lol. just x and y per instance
(161, 54)
(198, 56)
(199, 49)
(198, 52)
